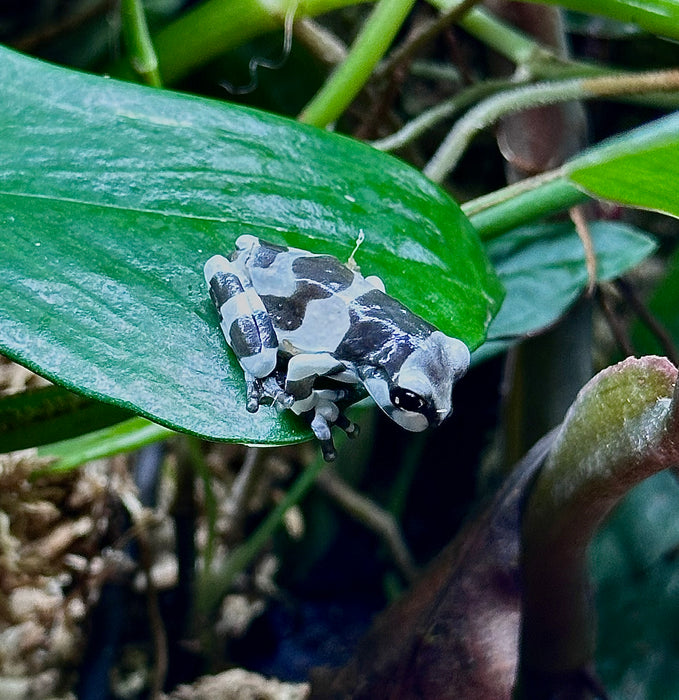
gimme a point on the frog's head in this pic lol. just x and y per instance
(420, 392)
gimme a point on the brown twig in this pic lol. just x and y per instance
(395, 67)
(242, 488)
(619, 333)
(325, 46)
(53, 30)
(577, 215)
(372, 516)
(380, 106)
(242, 485)
(649, 320)
(405, 52)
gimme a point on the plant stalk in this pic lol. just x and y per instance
(215, 584)
(348, 79)
(622, 428)
(141, 54)
(489, 111)
(523, 202)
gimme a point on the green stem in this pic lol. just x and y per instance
(522, 202)
(209, 30)
(347, 81)
(215, 584)
(505, 39)
(217, 26)
(141, 53)
(534, 59)
(492, 109)
(488, 112)
(621, 429)
(444, 110)
(201, 468)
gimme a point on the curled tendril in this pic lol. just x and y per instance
(271, 64)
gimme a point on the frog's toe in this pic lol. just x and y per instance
(275, 393)
(322, 430)
(286, 400)
(328, 450)
(253, 394)
(349, 427)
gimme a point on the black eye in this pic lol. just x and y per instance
(407, 400)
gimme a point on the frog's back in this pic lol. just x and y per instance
(308, 297)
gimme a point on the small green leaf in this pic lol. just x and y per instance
(639, 168)
(112, 196)
(544, 271)
(50, 414)
(657, 16)
(126, 436)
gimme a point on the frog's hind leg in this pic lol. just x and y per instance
(321, 410)
(325, 415)
(247, 328)
(303, 371)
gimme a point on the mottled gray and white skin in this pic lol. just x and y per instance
(292, 316)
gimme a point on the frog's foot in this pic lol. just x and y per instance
(265, 392)
(321, 424)
(349, 427)
(341, 421)
(323, 415)
(275, 394)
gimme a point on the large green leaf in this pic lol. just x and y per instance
(112, 196)
(544, 271)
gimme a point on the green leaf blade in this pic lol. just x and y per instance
(127, 436)
(113, 196)
(656, 16)
(547, 262)
(639, 168)
(49, 414)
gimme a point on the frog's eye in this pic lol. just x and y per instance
(406, 399)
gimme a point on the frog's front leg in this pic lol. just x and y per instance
(248, 330)
(320, 405)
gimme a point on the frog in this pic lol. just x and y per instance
(312, 335)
